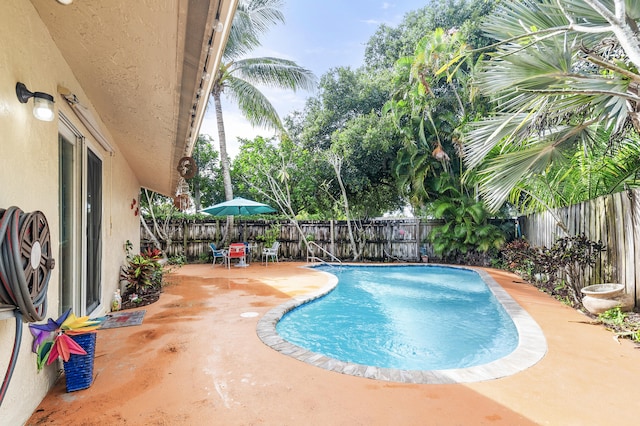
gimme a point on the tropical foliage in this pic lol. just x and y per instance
(557, 269)
(564, 80)
(142, 272)
(465, 108)
(466, 228)
(431, 103)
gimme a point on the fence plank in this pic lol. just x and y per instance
(397, 238)
(614, 220)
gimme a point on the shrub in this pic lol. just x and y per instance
(270, 236)
(542, 266)
(467, 231)
(143, 272)
(178, 260)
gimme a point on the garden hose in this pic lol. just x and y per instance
(25, 268)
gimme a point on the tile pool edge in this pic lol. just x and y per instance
(532, 345)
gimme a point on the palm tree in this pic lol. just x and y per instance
(564, 74)
(238, 75)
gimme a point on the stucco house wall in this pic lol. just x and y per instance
(29, 180)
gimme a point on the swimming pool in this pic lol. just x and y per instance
(399, 336)
(405, 317)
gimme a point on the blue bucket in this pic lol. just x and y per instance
(78, 370)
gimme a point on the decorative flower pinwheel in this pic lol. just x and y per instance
(51, 340)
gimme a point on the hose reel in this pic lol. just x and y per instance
(26, 261)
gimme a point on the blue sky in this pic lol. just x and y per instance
(318, 35)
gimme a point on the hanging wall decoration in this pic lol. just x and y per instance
(187, 167)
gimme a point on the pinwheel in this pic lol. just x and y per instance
(52, 341)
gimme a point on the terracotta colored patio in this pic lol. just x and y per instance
(196, 360)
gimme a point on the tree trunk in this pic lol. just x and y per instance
(224, 158)
(196, 195)
(336, 162)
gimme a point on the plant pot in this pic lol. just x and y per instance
(600, 298)
(603, 291)
(78, 370)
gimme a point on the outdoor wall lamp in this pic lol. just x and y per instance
(42, 102)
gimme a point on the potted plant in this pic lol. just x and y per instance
(71, 339)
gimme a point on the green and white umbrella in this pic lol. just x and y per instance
(238, 207)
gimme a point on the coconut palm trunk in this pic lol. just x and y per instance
(224, 157)
(239, 74)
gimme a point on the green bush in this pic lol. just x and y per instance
(466, 228)
(143, 272)
(270, 236)
(542, 265)
(178, 260)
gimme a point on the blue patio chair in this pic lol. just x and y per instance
(217, 254)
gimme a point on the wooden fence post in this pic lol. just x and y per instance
(333, 236)
(185, 229)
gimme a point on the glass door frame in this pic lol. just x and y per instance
(76, 270)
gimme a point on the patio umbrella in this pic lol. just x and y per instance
(238, 207)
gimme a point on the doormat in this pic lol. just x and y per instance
(123, 319)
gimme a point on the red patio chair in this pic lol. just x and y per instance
(237, 251)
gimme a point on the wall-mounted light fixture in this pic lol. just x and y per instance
(42, 102)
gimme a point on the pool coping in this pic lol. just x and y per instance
(532, 345)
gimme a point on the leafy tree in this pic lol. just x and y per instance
(367, 146)
(564, 75)
(278, 173)
(343, 94)
(344, 119)
(389, 44)
(238, 75)
(204, 186)
(262, 163)
(160, 209)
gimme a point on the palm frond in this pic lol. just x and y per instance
(255, 107)
(274, 72)
(503, 172)
(252, 19)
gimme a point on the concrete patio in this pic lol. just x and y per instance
(196, 360)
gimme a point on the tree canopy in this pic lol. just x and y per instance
(528, 102)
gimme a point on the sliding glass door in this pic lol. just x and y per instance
(94, 229)
(80, 204)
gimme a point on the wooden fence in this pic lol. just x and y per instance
(384, 239)
(614, 220)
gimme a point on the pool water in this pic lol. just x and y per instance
(414, 317)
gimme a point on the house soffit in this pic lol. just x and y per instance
(140, 65)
